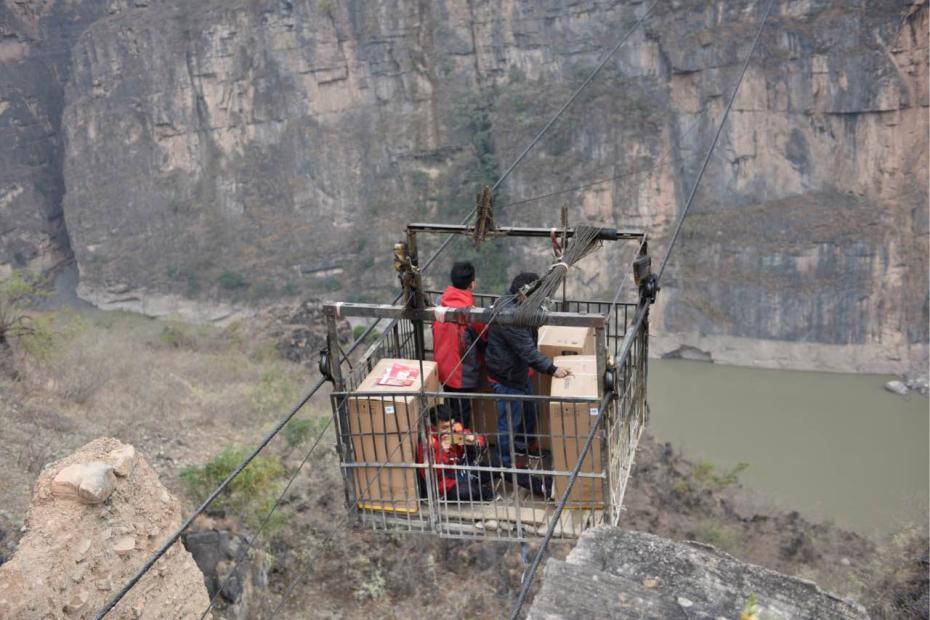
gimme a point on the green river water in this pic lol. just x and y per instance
(832, 446)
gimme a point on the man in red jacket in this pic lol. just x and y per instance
(458, 362)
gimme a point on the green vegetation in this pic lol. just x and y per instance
(273, 394)
(707, 476)
(750, 609)
(289, 289)
(231, 280)
(181, 274)
(250, 496)
(177, 335)
(298, 431)
(358, 330)
(369, 580)
(719, 534)
(420, 180)
(31, 333)
(704, 476)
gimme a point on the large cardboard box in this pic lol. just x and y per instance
(556, 341)
(384, 429)
(570, 424)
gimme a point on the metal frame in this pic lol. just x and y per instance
(607, 234)
(521, 515)
(370, 469)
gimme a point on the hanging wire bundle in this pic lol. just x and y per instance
(583, 242)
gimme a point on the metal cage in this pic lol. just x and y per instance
(385, 440)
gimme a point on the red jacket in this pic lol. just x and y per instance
(452, 340)
(455, 455)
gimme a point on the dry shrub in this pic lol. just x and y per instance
(76, 366)
(901, 565)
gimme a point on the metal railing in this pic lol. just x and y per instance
(393, 482)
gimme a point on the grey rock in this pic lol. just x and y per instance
(687, 352)
(613, 573)
(216, 553)
(896, 387)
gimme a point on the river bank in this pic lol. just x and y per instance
(832, 446)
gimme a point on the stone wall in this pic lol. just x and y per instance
(235, 152)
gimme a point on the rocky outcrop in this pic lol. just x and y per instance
(35, 60)
(299, 330)
(96, 516)
(613, 573)
(217, 554)
(236, 152)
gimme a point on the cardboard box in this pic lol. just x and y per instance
(484, 414)
(570, 424)
(556, 341)
(384, 429)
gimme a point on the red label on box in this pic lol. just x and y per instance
(399, 375)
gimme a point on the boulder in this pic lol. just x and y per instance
(896, 387)
(123, 460)
(90, 483)
(617, 574)
(75, 555)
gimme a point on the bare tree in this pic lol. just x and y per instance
(17, 295)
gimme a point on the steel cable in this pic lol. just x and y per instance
(269, 436)
(641, 313)
(294, 582)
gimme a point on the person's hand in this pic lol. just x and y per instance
(446, 442)
(561, 373)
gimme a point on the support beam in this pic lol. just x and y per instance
(458, 315)
(607, 234)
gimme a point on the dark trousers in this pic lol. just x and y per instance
(516, 420)
(470, 487)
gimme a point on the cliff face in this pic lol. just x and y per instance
(35, 42)
(241, 151)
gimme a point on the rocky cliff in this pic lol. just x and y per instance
(620, 574)
(242, 151)
(35, 64)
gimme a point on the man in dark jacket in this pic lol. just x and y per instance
(458, 362)
(511, 352)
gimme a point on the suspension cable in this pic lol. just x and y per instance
(641, 314)
(710, 151)
(657, 164)
(574, 95)
(280, 425)
(243, 553)
(345, 519)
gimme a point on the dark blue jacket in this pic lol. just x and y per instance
(512, 351)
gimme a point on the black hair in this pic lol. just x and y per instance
(462, 275)
(440, 413)
(522, 280)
